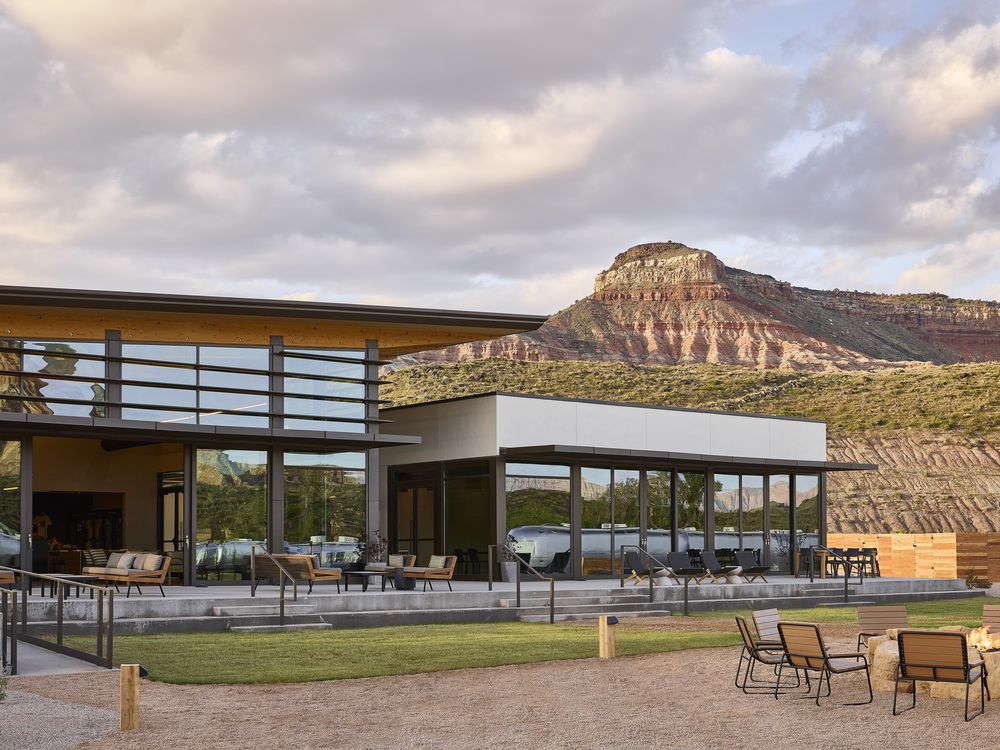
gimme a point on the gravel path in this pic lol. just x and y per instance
(32, 722)
(677, 700)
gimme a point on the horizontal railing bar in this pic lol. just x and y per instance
(187, 409)
(295, 354)
(194, 388)
(174, 363)
(55, 579)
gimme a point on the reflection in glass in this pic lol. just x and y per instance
(727, 511)
(806, 510)
(10, 384)
(752, 508)
(10, 503)
(232, 512)
(596, 544)
(625, 512)
(467, 505)
(325, 507)
(44, 375)
(315, 414)
(781, 550)
(658, 541)
(538, 516)
(690, 510)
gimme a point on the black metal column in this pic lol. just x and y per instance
(113, 372)
(765, 550)
(190, 513)
(576, 520)
(710, 509)
(374, 523)
(498, 473)
(275, 500)
(27, 501)
(674, 515)
(643, 511)
(822, 508)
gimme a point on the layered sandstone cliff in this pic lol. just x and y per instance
(666, 303)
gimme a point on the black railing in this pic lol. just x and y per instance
(843, 559)
(517, 576)
(14, 620)
(282, 575)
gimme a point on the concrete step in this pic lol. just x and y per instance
(574, 617)
(599, 609)
(280, 628)
(596, 601)
(260, 609)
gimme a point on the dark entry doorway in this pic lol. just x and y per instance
(413, 517)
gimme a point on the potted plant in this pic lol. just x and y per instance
(509, 560)
(378, 549)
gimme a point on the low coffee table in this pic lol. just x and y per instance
(365, 576)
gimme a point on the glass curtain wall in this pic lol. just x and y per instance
(329, 389)
(538, 516)
(780, 517)
(690, 510)
(325, 507)
(55, 378)
(232, 512)
(625, 513)
(727, 511)
(659, 523)
(10, 503)
(806, 510)
(752, 514)
(467, 510)
(596, 545)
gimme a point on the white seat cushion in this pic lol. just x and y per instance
(395, 561)
(437, 561)
(121, 559)
(138, 561)
(152, 562)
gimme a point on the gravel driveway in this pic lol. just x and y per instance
(32, 722)
(677, 700)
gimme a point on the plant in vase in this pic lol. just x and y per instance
(509, 559)
(378, 549)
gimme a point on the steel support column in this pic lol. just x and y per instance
(27, 501)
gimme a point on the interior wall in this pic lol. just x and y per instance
(77, 465)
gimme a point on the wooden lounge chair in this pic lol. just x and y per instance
(805, 650)
(991, 617)
(766, 622)
(716, 571)
(438, 568)
(750, 569)
(875, 621)
(936, 656)
(680, 567)
(757, 652)
(304, 568)
(6, 578)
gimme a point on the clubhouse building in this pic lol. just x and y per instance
(200, 426)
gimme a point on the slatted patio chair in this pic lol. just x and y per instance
(750, 569)
(715, 570)
(766, 622)
(805, 650)
(936, 656)
(679, 566)
(874, 621)
(991, 617)
(639, 569)
(757, 652)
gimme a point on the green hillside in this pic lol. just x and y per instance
(961, 398)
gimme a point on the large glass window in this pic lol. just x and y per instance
(467, 507)
(331, 386)
(247, 404)
(596, 545)
(60, 382)
(325, 506)
(727, 511)
(780, 499)
(232, 512)
(538, 515)
(659, 522)
(752, 514)
(806, 510)
(690, 510)
(10, 503)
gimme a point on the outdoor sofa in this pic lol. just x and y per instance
(302, 568)
(132, 568)
(438, 568)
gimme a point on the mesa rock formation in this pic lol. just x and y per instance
(666, 303)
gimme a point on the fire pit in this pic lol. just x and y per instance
(883, 656)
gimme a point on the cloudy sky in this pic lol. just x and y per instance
(495, 155)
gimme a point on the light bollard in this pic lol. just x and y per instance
(129, 702)
(606, 625)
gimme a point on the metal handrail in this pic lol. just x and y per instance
(281, 580)
(847, 562)
(517, 577)
(649, 570)
(104, 653)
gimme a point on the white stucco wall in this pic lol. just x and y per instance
(479, 427)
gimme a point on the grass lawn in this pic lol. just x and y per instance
(302, 656)
(968, 612)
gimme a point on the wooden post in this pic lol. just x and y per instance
(606, 636)
(129, 697)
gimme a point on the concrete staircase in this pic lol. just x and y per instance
(585, 605)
